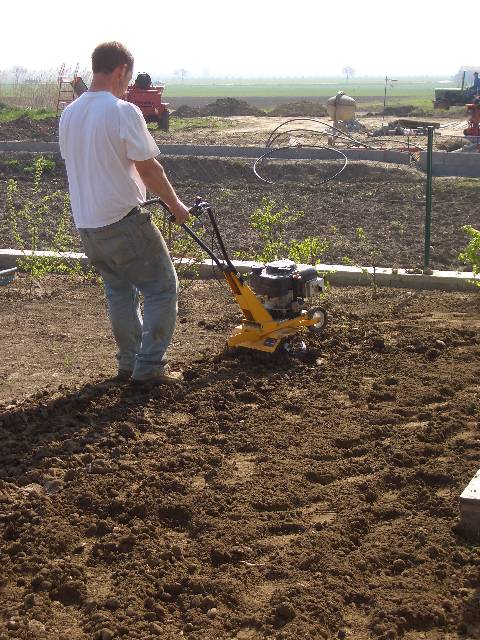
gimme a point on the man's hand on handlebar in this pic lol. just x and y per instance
(179, 212)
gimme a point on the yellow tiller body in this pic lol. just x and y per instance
(259, 330)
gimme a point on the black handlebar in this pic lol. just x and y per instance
(197, 209)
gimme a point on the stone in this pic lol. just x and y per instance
(112, 603)
(155, 628)
(53, 486)
(12, 624)
(36, 629)
(29, 601)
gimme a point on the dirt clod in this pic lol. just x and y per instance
(156, 629)
(286, 611)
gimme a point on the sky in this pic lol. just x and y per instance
(251, 38)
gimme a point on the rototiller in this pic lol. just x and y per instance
(274, 306)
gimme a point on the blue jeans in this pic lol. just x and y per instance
(132, 258)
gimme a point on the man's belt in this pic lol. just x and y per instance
(134, 211)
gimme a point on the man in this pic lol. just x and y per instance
(475, 88)
(110, 159)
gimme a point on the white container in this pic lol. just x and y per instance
(341, 107)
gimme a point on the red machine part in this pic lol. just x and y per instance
(149, 101)
(473, 115)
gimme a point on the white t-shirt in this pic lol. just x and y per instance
(100, 137)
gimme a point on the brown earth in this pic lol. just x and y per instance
(27, 129)
(299, 108)
(387, 201)
(289, 499)
(267, 102)
(223, 107)
(241, 123)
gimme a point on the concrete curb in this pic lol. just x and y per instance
(224, 151)
(465, 165)
(444, 163)
(19, 146)
(336, 274)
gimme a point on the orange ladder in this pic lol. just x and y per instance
(66, 87)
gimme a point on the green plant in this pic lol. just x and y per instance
(48, 165)
(205, 122)
(187, 253)
(471, 253)
(310, 250)
(29, 218)
(272, 223)
(13, 164)
(224, 193)
(9, 113)
(397, 227)
(369, 253)
(456, 184)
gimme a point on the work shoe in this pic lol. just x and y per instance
(122, 377)
(170, 377)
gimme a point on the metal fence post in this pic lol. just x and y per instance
(428, 201)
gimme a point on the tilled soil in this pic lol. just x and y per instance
(387, 201)
(25, 128)
(289, 499)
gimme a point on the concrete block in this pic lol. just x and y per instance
(465, 165)
(10, 257)
(224, 151)
(343, 275)
(337, 274)
(470, 508)
(35, 146)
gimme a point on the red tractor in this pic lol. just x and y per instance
(149, 99)
(473, 115)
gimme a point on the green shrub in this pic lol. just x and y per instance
(189, 255)
(34, 213)
(272, 222)
(11, 164)
(471, 253)
(310, 250)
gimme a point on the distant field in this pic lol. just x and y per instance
(369, 92)
(296, 89)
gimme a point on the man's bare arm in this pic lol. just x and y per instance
(155, 179)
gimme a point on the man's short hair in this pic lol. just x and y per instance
(109, 55)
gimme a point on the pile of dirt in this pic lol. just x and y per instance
(299, 109)
(184, 111)
(451, 143)
(225, 107)
(24, 128)
(284, 500)
(403, 110)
